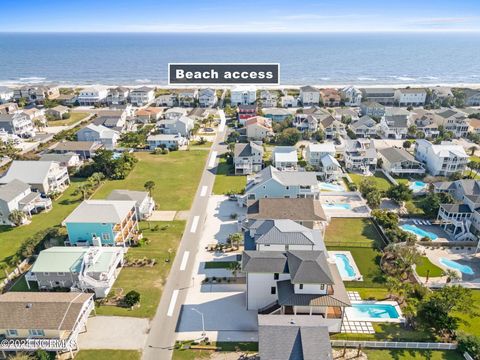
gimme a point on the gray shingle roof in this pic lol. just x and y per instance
(28, 171)
(100, 211)
(309, 267)
(286, 178)
(137, 196)
(244, 150)
(364, 121)
(394, 155)
(11, 190)
(309, 88)
(306, 209)
(264, 261)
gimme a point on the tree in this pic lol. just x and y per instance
(17, 217)
(235, 239)
(149, 186)
(85, 190)
(400, 193)
(407, 144)
(392, 284)
(438, 309)
(234, 267)
(472, 150)
(431, 203)
(451, 275)
(469, 343)
(412, 129)
(289, 137)
(132, 298)
(374, 198)
(455, 176)
(367, 185)
(96, 179)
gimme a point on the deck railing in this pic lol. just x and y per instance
(393, 345)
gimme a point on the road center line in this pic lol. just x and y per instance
(194, 224)
(203, 192)
(183, 265)
(211, 162)
(173, 301)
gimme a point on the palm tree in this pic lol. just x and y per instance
(96, 178)
(84, 190)
(17, 217)
(235, 268)
(149, 186)
(472, 150)
(235, 239)
(393, 285)
(451, 275)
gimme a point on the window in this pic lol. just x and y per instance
(105, 236)
(322, 287)
(300, 286)
(273, 290)
(275, 276)
(36, 332)
(60, 273)
(12, 332)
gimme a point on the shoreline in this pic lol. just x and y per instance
(14, 84)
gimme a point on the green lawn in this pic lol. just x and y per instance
(475, 158)
(389, 332)
(360, 237)
(470, 324)
(424, 265)
(225, 181)
(74, 117)
(412, 354)
(12, 237)
(370, 293)
(381, 182)
(186, 354)
(176, 176)
(108, 355)
(21, 285)
(218, 264)
(148, 281)
(195, 145)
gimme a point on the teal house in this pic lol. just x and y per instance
(102, 222)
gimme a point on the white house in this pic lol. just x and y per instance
(443, 159)
(169, 100)
(142, 96)
(309, 96)
(285, 157)
(168, 141)
(248, 158)
(360, 155)
(399, 162)
(69, 159)
(269, 98)
(17, 195)
(175, 113)
(243, 95)
(410, 96)
(351, 95)
(117, 96)
(99, 133)
(187, 97)
(322, 157)
(288, 101)
(472, 97)
(207, 97)
(6, 94)
(182, 125)
(43, 176)
(18, 124)
(93, 95)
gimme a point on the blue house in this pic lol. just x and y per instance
(105, 222)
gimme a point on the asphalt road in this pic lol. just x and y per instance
(161, 339)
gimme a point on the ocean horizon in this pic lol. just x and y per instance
(368, 59)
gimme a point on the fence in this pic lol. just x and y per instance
(394, 345)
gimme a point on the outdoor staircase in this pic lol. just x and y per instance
(268, 309)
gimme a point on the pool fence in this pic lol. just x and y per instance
(393, 345)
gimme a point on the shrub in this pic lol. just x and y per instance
(132, 298)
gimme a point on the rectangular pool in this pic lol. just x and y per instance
(337, 206)
(376, 311)
(330, 187)
(419, 232)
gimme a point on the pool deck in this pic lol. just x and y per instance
(464, 257)
(351, 260)
(358, 208)
(433, 228)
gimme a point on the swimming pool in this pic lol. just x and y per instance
(344, 267)
(464, 269)
(330, 187)
(384, 311)
(417, 186)
(419, 232)
(338, 206)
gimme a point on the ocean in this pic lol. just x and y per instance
(142, 58)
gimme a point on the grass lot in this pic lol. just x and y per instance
(225, 181)
(108, 355)
(21, 285)
(148, 281)
(12, 237)
(74, 117)
(176, 177)
(360, 237)
(474, 158)
(218, 264)
(388, 332)
(381, 182)
(186, 354)
(412, 354)
(470, 324)
(195, 145)
(370, 293)
(424, 265)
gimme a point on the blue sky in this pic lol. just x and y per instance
(239, 16)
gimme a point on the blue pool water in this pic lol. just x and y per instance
(417, 186)
(419, 232)
(464, 269)
(372, 311)
(338, 206)
(330, 187)
(344, 267)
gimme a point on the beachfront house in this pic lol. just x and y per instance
(86, 269)
(285, 157)
(144, 203)
(399, 162)
(99, 133)
(17, 195)
(410, 97)
(207, 97)
(18, 124)
(142, 96)
(187, 97)
(351, 95)
(268, 98)
(6, 94)
(330, 97)
(168, 100)
(117, 96)
(43, 176)
(243, 95)
(91, 96)
(384, 96)
(102, 222)
(309, 96)
(166, 141)
(472, 97)
(44, 316)
(248, 158)
(273, 183)
(360, 155)
(442, 159)
(288, 101)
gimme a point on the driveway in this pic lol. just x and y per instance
(114, 332)
(223, 306)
